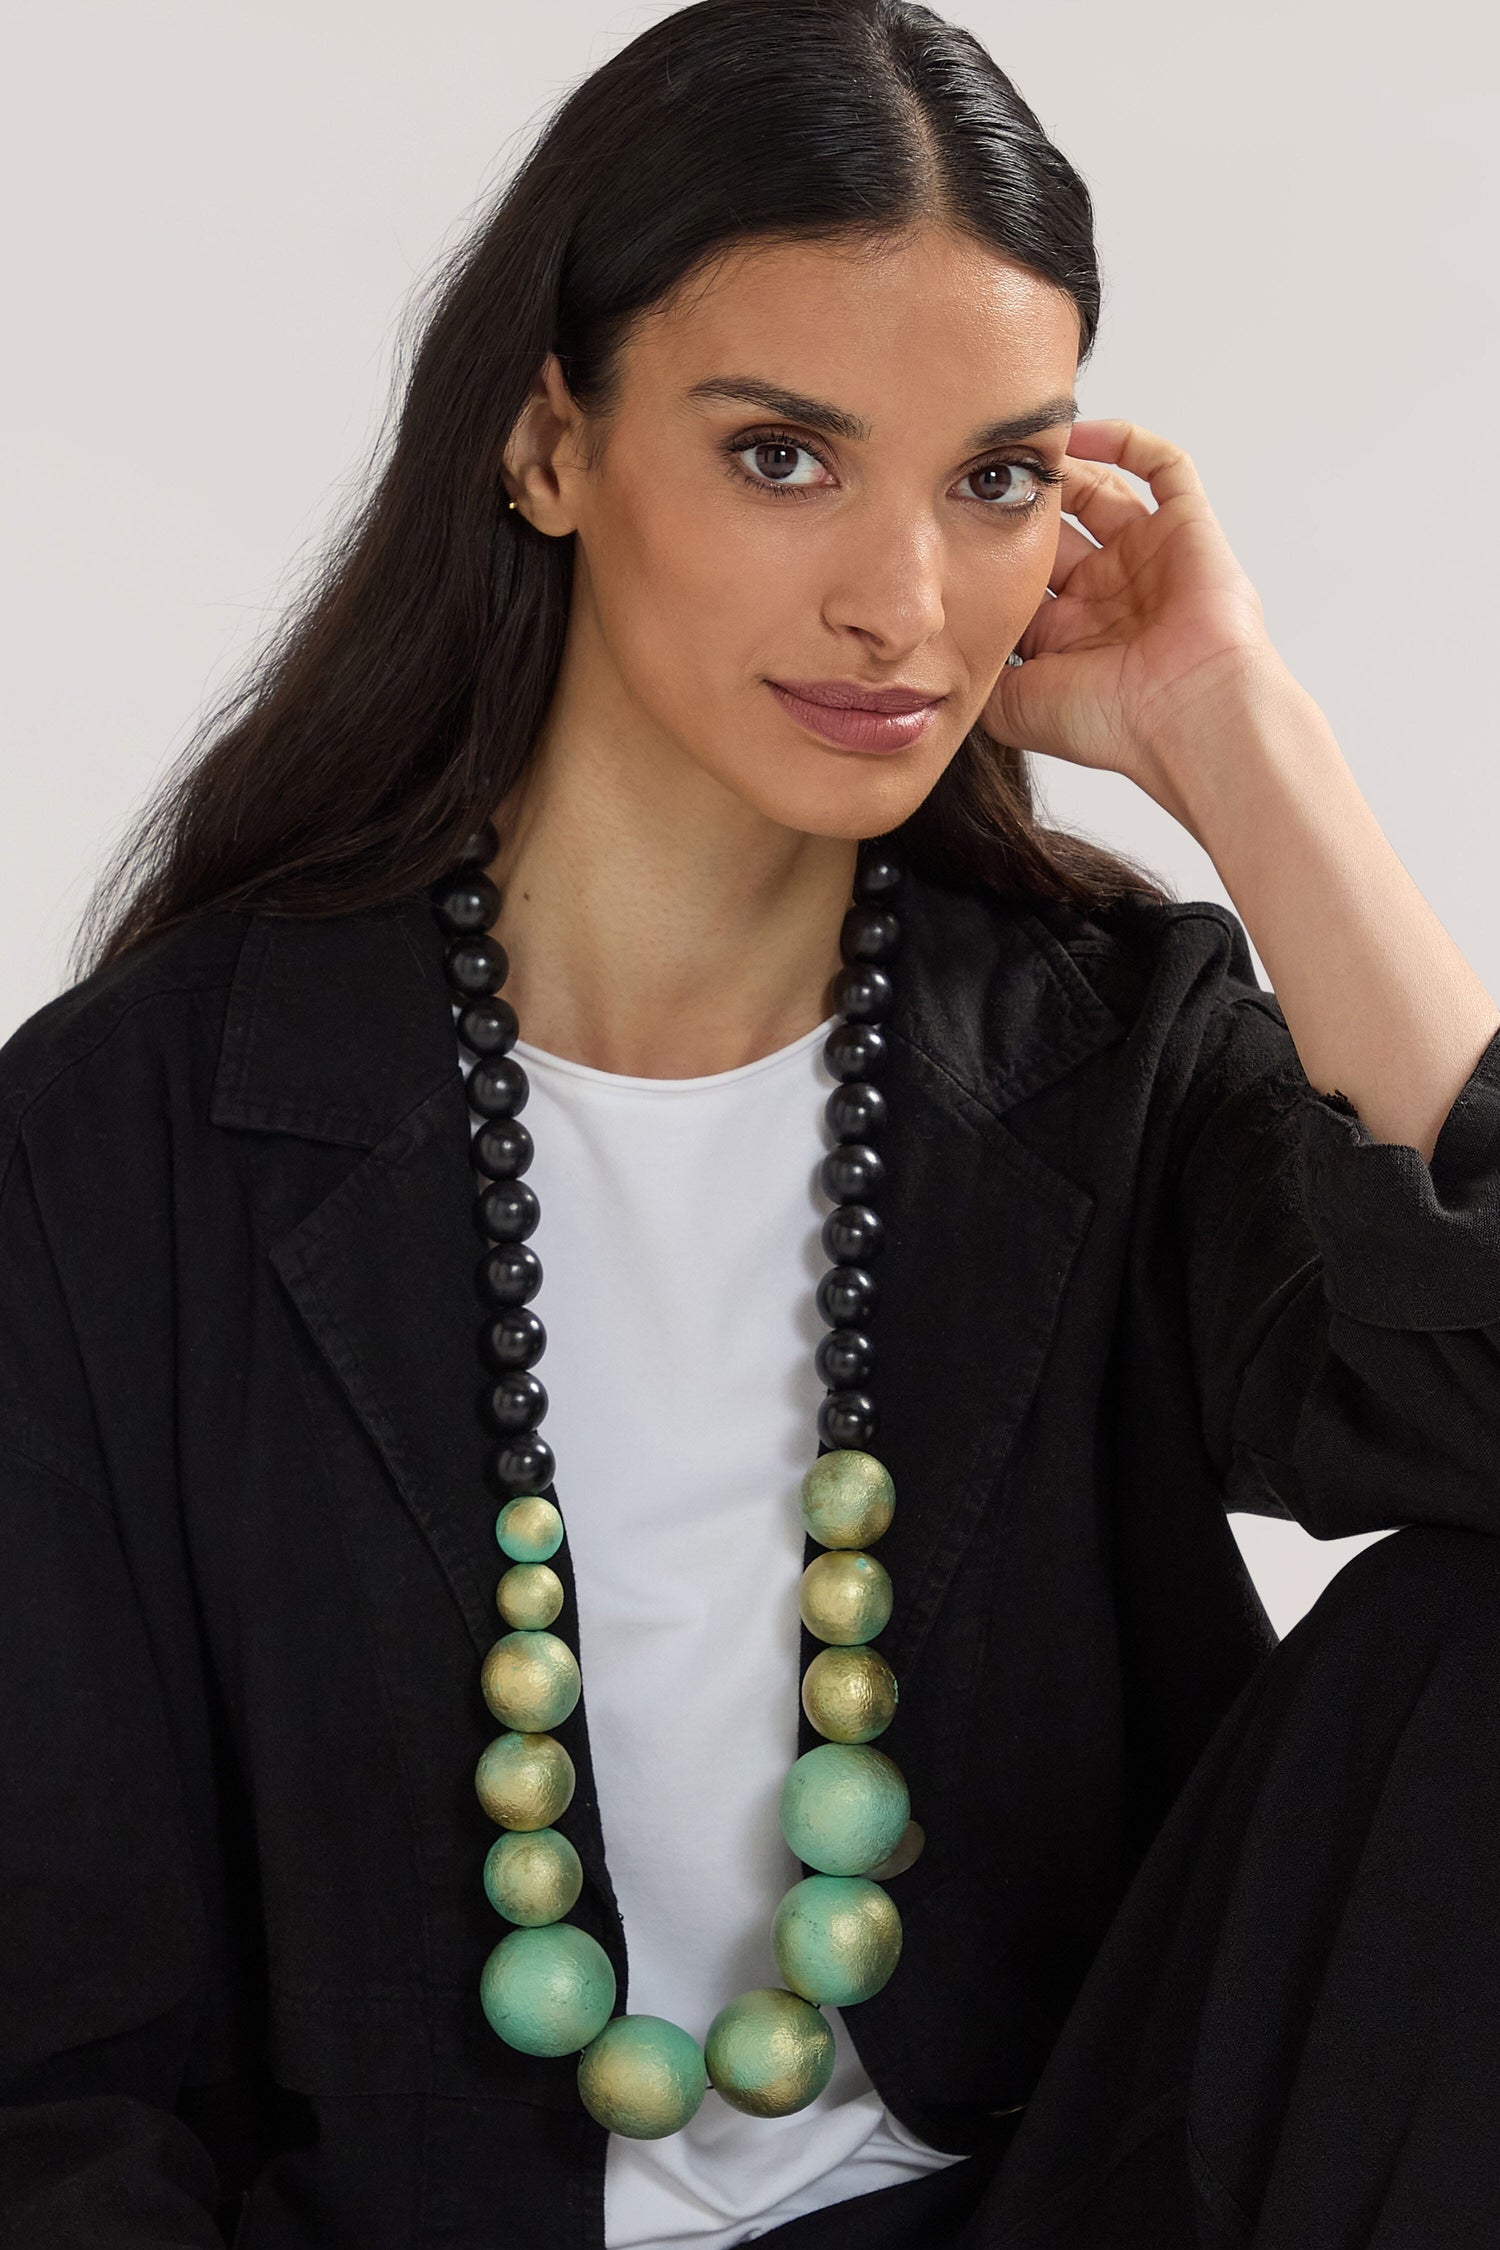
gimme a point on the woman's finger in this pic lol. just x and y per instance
(1072, 547)
(1100, 498)
(1144, 453)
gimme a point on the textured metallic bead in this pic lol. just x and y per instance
(548, 1991)
(849, 1694)
(846, 1598)
(837, 1939)
(906, 1854)
(530, 1681)
(643, 2077)
(769, 2052)
(524, 1780)
(844, 1807)
(529, 1529)
(533, 1876)
(529, 1596)
(848, 1499)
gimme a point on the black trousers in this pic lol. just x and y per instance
(1290, 2036)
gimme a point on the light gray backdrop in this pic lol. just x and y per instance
(215, 211)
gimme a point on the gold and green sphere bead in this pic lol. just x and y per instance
(848, 1499)
(844, 1808)
(769, 2052)
(846, 1598)
(524, 1780)
(849, 1694)
(643, 2077)
(533, 1876)
(529, 1596)
(548, 1991)
(529, 1529)
(530, 1681)
(837, 1939)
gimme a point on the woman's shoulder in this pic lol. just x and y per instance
(161, 1002)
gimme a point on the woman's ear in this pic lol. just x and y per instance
(539, 452)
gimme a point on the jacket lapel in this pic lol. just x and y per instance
(339, 1031)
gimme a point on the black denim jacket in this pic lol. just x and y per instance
(1137, 1273)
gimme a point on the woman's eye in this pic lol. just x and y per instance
(1036, 476)
(774, 460)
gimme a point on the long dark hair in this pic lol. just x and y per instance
(403, 697)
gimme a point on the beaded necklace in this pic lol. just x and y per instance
(547, 1987)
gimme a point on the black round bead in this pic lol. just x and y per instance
(863, 993)
(476, 965)
(524, 1463)
(850, 1172)
(847, 1418)
(846, 1296)
(851, 1234)
(877, 878)
(489, 1027)
(855, 1111)
(517, 1402)
(854, 1050)
(844, 1357)
(513, 1339)
(503, 1148)
(868, 934)
(465, 902)
(481, 844)
(510, 1274)
(498, 1087)
(507, 1210)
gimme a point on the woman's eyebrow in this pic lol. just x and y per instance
(792, 406)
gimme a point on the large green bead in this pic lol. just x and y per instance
(837, 1938)
(529, 1529)
(642, 2077)
(533, 1876)
(529, 1596)
(769, 2052)
(844, 1808)
(846, 1598)
(848, 1499)
(849, 1694)
(548, 1991)
(530, 1681)
(524, 1780)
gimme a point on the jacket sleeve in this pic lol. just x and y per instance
(101, 1922)
(1343, 1294)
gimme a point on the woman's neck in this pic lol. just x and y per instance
(658, 926)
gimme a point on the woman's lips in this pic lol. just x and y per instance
(851, 728)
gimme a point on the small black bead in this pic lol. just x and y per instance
(498, 1087)
(481, 844)
(465, 902)
(507, 1210)
(847, 1418)
(513, 1339)
(877, 878)
(488, 1027)
(863, 993)
(503, 1148)
(868, 934)
(854, 1050)
(517, 1402)
(510, 1274)
(476, 965)
(524, 1463)
(844, 1357)
(846, 1296)
(850, 1172)
(855, 1111)
(852, 1234)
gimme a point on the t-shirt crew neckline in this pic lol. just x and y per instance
(624, 1082)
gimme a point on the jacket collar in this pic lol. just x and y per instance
(340, 1031)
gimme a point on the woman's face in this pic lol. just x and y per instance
(864, 528)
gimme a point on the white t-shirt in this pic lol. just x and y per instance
(679, 1244)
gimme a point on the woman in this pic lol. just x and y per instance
(669, 682)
